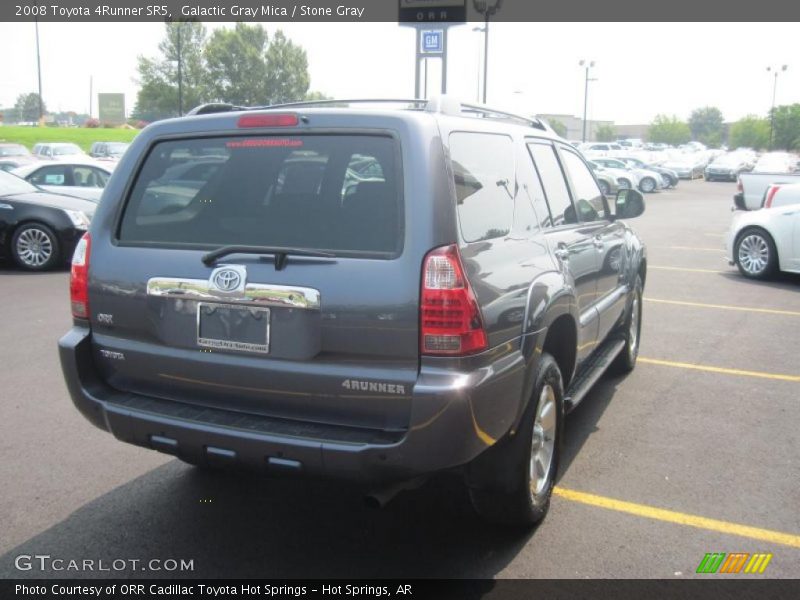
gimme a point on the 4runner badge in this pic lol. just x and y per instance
(373, 386)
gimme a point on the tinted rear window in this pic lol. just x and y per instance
(326, 192)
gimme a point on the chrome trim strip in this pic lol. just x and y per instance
(254, 293)
(610, 299)
(6, 207)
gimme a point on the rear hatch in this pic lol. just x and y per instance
(312, 316)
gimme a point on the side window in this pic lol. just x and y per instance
(485, 181)
(530, 210)
(588, 197)
(555, 188)
(54, 175)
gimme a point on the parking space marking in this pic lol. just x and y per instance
(679, 518)
(769, 311)
(723, 370)
(684, 269)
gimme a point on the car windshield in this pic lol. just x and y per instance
(14, 150)
(11, 184)
(66, 150)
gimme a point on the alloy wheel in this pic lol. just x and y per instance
(753, 254)
(543, 441)
(34, 247)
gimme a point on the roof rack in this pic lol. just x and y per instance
(446, 105)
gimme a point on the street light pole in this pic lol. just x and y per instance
(39, 72)
(180, 71)
(589, 64)
(775, 71)
(478, 74)
(487, 8)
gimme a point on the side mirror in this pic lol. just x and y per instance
(628, 204)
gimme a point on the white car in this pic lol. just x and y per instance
(647, 180)
(59, 151)
(626, 179)
(80, 179)
(761, 242)
(777, 162)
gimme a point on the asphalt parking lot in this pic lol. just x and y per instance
(696, 451)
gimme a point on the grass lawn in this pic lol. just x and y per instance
(83, 136)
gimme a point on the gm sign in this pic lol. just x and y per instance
(431, 41)
(427, 11)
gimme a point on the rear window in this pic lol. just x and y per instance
(339, 193)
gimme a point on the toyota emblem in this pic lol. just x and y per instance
(227, 280)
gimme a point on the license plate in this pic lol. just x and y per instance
(232, 327)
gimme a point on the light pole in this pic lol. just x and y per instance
(180, 70)
(478, 78)
(775, 71)
(39, 72)
(588, 65)
(487, 8)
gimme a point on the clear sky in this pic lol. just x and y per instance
(642, 69)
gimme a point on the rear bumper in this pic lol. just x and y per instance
(454, 418)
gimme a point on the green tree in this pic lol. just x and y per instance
(668, 130)
(237, 66)
(287, 70)
(244, 67)
(605, 133)
(749, 132)
(158, 77)
(311, 96)
(786, 126)
(558, 127)
(707, 125)
(27, 107)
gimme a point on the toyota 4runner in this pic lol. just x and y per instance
(372, 290)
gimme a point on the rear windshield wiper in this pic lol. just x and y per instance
(280, 253)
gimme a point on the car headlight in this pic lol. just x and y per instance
(79, 219)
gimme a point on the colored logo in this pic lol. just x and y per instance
(734, 562)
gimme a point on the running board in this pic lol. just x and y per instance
(590, 371)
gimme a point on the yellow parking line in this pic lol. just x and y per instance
(683, 269)
(696, 248)
(679, 518)
(724, 371)
(769, 311)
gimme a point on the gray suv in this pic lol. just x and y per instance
(376, 291)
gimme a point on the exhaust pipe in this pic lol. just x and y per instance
(380, 497)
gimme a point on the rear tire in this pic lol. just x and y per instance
(647, 185)
(625, 361)
(35, 247)
(524, 466)
(755, 254)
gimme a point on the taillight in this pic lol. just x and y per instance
(450, 320)
(268, 120)
(773, 189)
(739, 186)
(79, 278)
